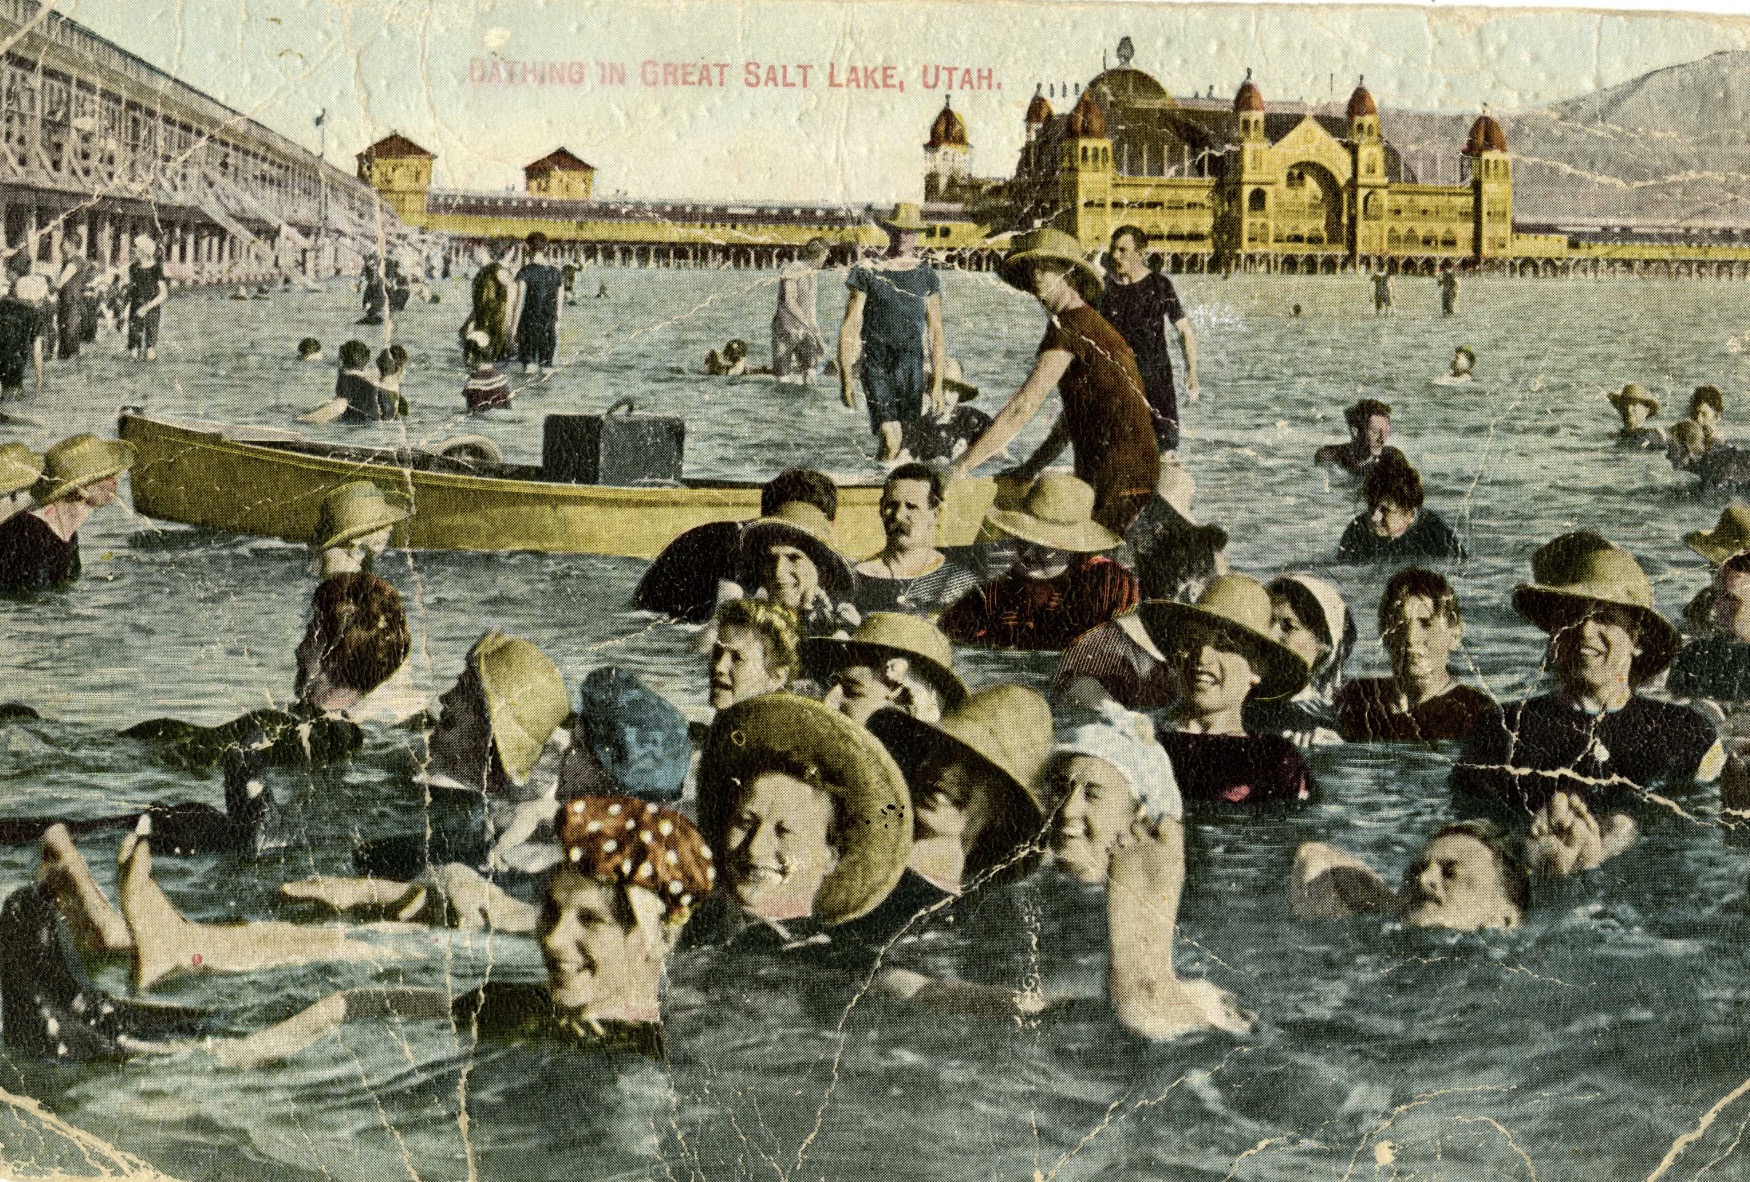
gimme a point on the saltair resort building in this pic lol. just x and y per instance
(1217, 184)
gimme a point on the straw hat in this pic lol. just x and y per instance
(356, 509)
(884, 635)
(81, 461)
(799, 524)
(1731, 535)
(1046, 243)
(19, 467)
(907, 218)
(1572, 579)
(873, 809)
(1057, 510)
(525, 699)
(1006, 728)
(1634, 392)
(1238, 606)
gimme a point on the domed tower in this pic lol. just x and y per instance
(1491, 180)
(1038, 112)
(1087, 171)
(1249, 202)
(946, 155)
(1367, 174)
(1249, 110)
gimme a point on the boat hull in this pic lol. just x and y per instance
(197, 474)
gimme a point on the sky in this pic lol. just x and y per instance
(681, 120)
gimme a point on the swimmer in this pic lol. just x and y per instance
(309, 349)
(1397, 527)
(893, 661)
(1636, 405)
(757, 650)
(1464, 361)
(39, 548)
(1369, 422)
(1465, 878)
(729, 362)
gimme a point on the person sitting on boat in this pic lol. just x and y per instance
(493, 726)
(1598, 735)
(756, 650)
(973, 780)
(1369, 423)
(1636, 406)
(909, 574)
(351, 668)
(1106, 416)
(486, 388)
(1060, 585)
(354, 386)
(20, 469)
(1225, 652)
(1420, 702)
(893, 660)
(698, 570)
(1117, 660)
(1309, 617)
(1397, 528)
(39, 548)
(790, 557)
(812, 826)
(937, 437)
(353, 526)
(309, 349)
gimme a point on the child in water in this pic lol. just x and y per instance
(485, 388)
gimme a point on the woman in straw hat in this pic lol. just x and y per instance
(1060, 585)
(1596, 737)
(892, 660)
(39, 549)
(1226, 653)
(1636, 406)
(353, 526)
(1117, 824)
(812, 827)
(894, 306)
(789, 556)
(974, 778)
(1105, 411)
(19, 470)
(1729, 535)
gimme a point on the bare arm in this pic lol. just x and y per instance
(850, 345)
(1188, 343)
(1330, 883)
(962, 997)
(1017, 413)
(285, 1039)
(938, 350)
(326, 413)
(1048, 450)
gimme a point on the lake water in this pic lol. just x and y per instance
(1581, 1046)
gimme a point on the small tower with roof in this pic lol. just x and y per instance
(1491, 181)
(1368, 177)
(1038, 112)
(1256, 181)
(946, 155)
(1087, 167)
(400, 170)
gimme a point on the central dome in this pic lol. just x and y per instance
(948, 129)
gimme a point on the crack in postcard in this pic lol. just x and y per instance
(787, 590)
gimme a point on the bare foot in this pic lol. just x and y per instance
(81, 901)
(160, 935)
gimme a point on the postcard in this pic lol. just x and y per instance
(1003, 589)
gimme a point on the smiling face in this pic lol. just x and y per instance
(1594, 656)
(596, 955)
(789, 576)
(1455, 883)
(779, 846)
(1217, 677)
(740, 666)
(1420, 639)
(1095, 809)
(461, 744)
(1634, 415)
(1732, 605)
(907, 516)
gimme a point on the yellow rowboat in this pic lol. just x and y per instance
(270, 483)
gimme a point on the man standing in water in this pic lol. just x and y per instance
(538, 288)
(1140, 303)
(147, 292)
(893, 306)
(1448, 290)
(1382, 291)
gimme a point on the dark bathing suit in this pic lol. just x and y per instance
(33, 557)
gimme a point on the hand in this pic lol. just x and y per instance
(938, 404)
(846, 396)
(1565, 838)
(1192, 392)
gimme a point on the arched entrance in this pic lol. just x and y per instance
(1309, 207)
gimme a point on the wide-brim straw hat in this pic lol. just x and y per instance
(1239, 607)
(356, 509)
(907, 218)
(79, 462)
(799, 524)
(1006, 729)
(1583, 577)
(1725, 539)
(1048, 244)
(1634, 392)
(874, 824)
(884, 635)
(1057, 510)
(525, 699)
(20, 468)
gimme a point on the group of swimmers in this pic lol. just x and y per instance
(852, 793)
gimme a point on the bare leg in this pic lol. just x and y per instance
(890, 435)
(166, 943)
(81, 901)
(452, 895)
(377, 896)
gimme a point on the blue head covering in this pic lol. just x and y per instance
(638, 736)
